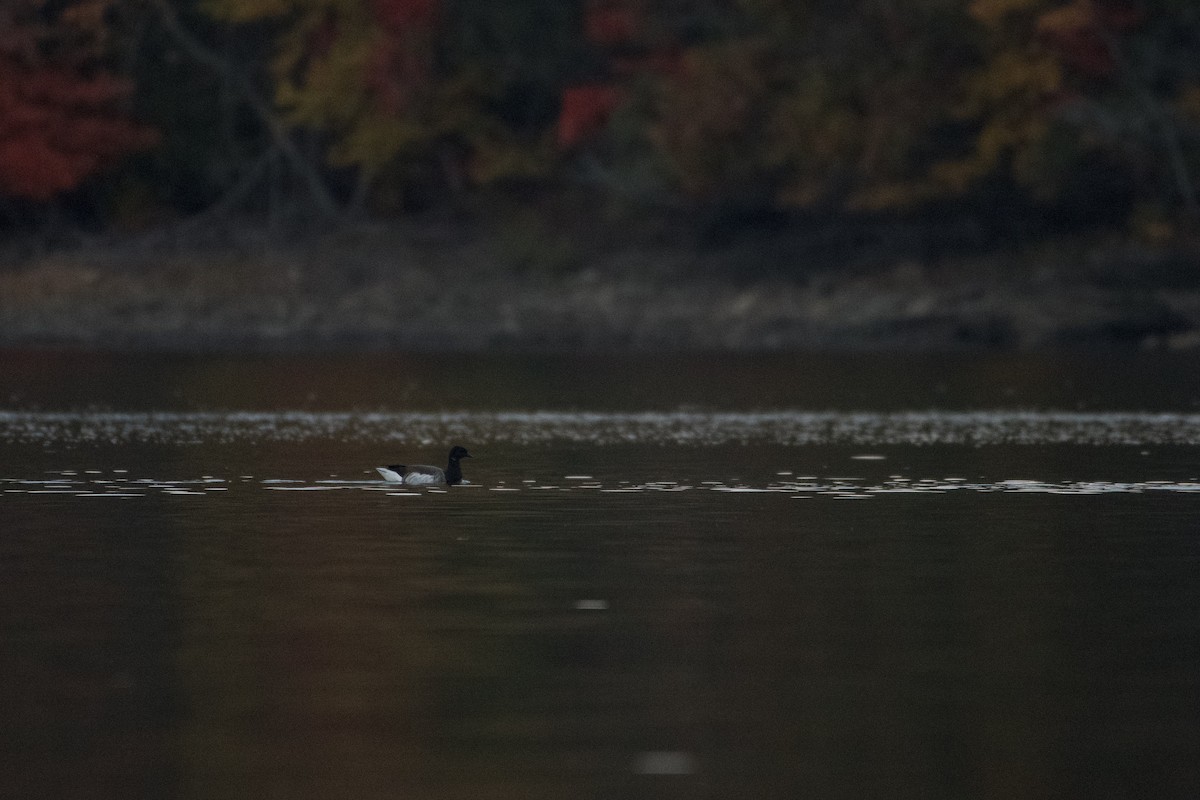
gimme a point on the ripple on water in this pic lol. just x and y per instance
(686, 428)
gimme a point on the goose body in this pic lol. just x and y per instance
(426, 474)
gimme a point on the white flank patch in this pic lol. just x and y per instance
(390, 475)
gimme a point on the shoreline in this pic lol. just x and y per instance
(460, 288)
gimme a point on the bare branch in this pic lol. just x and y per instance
(203, 54)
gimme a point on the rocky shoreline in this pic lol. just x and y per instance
(453, 288)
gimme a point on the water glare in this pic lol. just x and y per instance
(696, 428)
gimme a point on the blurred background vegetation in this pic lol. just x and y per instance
(980, 117)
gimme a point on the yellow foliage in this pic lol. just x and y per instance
(891, 195)
(371, 140)
(957, 175)
(993, 12)
(814, 140)
(1079, 14)
(808, 123)
(496, 158)
(1151, 223)
(705, 123)
(324, 89)
(1002, 137)
(89, 15)
(1011, 75)
(802, 195)
(742, 111)
(1187, 104)
(248, 10)
(327, 90)
(1011, 96)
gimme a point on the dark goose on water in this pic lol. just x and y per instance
(425, 474)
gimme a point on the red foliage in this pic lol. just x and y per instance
(60, 119)
(401, 63)
(398, 15)
(1119, 16)
(57, 128)
(1084, 41)
(666, 60)
(1084, 50)
(396, 71)
(585, 109)
(611, 24)
(616, 28)
(321, 40)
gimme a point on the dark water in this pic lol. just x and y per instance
(703, 578)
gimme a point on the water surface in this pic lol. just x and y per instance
(666, 585)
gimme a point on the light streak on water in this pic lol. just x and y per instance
(682, 428)
(836, 488)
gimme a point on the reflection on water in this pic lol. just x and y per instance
(622, 604)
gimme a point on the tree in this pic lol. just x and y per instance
(1091, 87)
(800, 104)
(395, 87)
(892, 105)
(242, 82)
(63, 110)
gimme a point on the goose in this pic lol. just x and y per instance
(426, 475)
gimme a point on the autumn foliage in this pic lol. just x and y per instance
(62, 114)
(845, 108)
(585, 109)
(399, 16)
